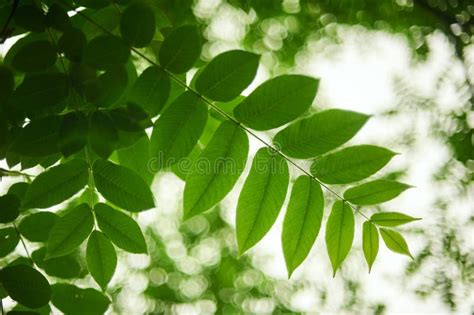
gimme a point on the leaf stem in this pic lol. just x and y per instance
(23, 244)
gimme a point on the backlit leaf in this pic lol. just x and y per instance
(72, 133)
(103, 136)
(137, 25)
(319, 133)
(36, 227)
(181, 49)
(370, 242)
(339, 233)
(261, 198)
(302, 221)
(374, 192)
(38, 138)
(101, 258)
(395, 242)
(106, 52)
(390, 219)
(122, 186)
(65, 267)
(70, 299)
(137, 158)
(277, 102)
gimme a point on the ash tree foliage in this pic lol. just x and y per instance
(75, 100)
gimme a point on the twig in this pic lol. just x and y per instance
(24, 244)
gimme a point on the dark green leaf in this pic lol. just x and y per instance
(339, 233)
(8, 84)
(66, 267)
(57, 184)
(30, 18)
(103, 137)
(36, 227)
(26, 285)
(151, 90)
(93, 4)
(319, 133)
(216, 170)
(122, 186)
(136, 157)
(72, 44)
(70, 299)
(351, 164)
(374, 192)
(370, 243)
(108, 16)
(35, 56)
(101, 258)
(8, 241)
(137, 25)
(72, 133)
(261, 198)
(227, 75)
(39, 138)
(277, 102)
(122, 230)
(57, 18)
(9, 208)
(111, 86)
(391, 219)
(302, 221)
(181, 49)
(106, 52)
(395, 242)
(177, 130)
(18, 189)
(70, 231)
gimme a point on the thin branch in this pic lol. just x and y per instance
(23, 244)
(5, 33)
(226, 115)
(5, 172)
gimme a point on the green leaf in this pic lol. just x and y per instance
(9, 208)
(101, 258)
(106, 52)
(57, 184)
(277, 102)
(103, 136)
(38, 138)
(122, 230)
(374, 192)
(370, 242)
(339, 233)
(70, 299)
(137, 158)
(8, 83)
(44, 57)
(227, 75)
(261, 198)
(302, 221)
(26, 285)
(395, 242)
(390, 219)
(111, 86)
(29, 17)
(216, 170)
(351, 164)
(72, 43)
(8, 241)
(37, 227)
(41, 93)
(151, 90)
(73, 133)
(65, 267)
(320, 133)
(122, 186)
(70, 231)
(178, 129)
(181, 49)
(57, 18)
(137, 25)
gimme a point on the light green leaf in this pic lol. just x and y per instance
(72, 133)
(151, 90)
(45, 57)
(374, 192)
(395, 242)
(370, 242)
(103, 136)
(302, 221)
(277, 102)
(73, 300)
(137, 24)
(261, 198)
(56, 185)
(26, 285)
(350, 164)
(390, 219)
(227, 75)
(320, 133)
(122, 186)
(36, 227)
(8, 241)
(70, 231)
(101, 258)
(339, 233)
(9, 208)
(122, 230)
(178, 129)
(216, 170)
(181, 49)
(137, 158)
(106, 52)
